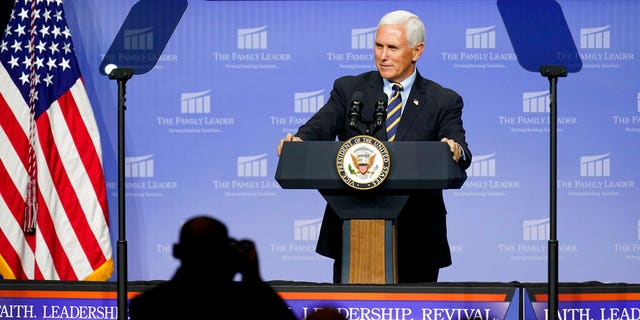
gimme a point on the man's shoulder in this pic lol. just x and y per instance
(433, 88)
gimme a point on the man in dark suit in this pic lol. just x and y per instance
(430, 112)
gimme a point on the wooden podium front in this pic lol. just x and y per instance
(368, 230)
(367, 244)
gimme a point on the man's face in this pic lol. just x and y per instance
(394, 57)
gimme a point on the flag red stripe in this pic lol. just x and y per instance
(11, 257)
(92, 165)
(61, 261)
(11, 197)
(9, 192)
(38, 274)
(86, 149)
(66, 193)
(11, 127)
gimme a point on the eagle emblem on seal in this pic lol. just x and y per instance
(363, 162)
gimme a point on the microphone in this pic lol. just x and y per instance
(380, 111)
(356, 108)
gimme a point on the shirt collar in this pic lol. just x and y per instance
(406, 83)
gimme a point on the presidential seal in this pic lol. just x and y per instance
(363, 162)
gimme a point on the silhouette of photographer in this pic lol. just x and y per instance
(204, 286)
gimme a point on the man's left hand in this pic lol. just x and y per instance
(455, 148)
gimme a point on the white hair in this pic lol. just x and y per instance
(415, 27)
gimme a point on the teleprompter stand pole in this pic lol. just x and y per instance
(121, 75)
(553, 72)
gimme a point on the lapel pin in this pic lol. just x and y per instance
(416, 102)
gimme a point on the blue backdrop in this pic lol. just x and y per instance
(202, 128)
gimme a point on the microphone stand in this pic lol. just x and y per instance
(121, 75)
(552, 73)
(355, 112)
(379, 116)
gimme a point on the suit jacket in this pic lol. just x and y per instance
(430, 113)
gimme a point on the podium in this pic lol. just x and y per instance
(368, 216)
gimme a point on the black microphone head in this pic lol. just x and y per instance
(355, 108)
(381, 104)
(380, 109)
(357, 97)
(382, 99)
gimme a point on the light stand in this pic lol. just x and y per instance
(121, 75)
(553, 72)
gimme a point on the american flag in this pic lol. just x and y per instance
(54, 222)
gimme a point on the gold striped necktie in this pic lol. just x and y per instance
(394, 110)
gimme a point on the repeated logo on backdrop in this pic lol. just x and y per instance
(305, 104)
(630, 121)
(481, 38)
(253, 178)
(303, 243)
(252, 166)
(596, 177)
(534, 244)
(139, 167)
(141, 181)
(140, 45)
(534, 116)
(480, 50)
(629, 250)
(253, 38)
(252, 51)
(360, 57)
(306, 230)
(194, 114)
(598, 49)
(482, 181)
(536, 230)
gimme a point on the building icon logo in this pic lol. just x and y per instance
(306, 230)
(138, 39)
(363, 38)
(252, 38)
(308, 102)
(595, 38)
(536, 230)
(138, 167)
(595, 166)
(482, 166)
(536, 102)
(481, 38)
(252, 166)
(195, 102)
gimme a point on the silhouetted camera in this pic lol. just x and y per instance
(238, 250)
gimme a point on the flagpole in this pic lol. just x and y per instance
(121, 75)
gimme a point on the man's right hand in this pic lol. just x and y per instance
(288, 137)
